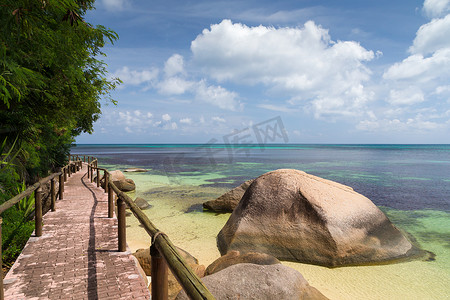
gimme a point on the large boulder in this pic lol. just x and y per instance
(228, 201)
(234, 257)
(250, 281)
(300, 217)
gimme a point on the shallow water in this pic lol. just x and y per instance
(410, 184)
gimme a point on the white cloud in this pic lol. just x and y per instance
(295, 61)
(436, 8)
(423, 76)
(114, 5)
(166, 117)
(396, 125)
(136, 120)
(432, 36)
(135, 77)
(174, 65)
(186, 121)
(174, 86)
(218, 119)
(421, 69)
(126, 118)
(408, 96)
(218, 96)
(173, 126)
(273, 107)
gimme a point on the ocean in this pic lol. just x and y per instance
(410, 184)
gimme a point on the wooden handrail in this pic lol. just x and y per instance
(161, 245)
(37, 204)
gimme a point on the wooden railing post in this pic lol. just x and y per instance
(61, 186)
(88, 171)
(92, 174)
(69, 171)
(98, 177)
(1, 263)
(105, 176)
(65, 174)
(110, 200)
(121, 222)
(159, 275)
(52, 194)
(38, 211)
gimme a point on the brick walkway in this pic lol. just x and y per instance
(76, 257)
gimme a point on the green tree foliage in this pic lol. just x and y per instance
(52, 82)
(52, 78)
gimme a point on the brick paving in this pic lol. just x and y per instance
(76, 257)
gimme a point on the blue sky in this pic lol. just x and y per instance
(329, 71)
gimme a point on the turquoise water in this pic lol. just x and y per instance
(410, 183)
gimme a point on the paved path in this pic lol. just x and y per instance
(76, 257)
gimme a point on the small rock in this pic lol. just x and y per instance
(126, 185)
(142, 203)
(136, 170)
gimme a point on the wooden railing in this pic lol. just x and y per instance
(163, 252)
(66, 171)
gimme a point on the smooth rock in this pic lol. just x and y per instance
(228, 201)
(117, 175)
(234, 257)
(126, 185)
(300, 217)
(262, 282)
(142, 203)
(136, 170)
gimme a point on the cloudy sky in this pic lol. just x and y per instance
(345, 71)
